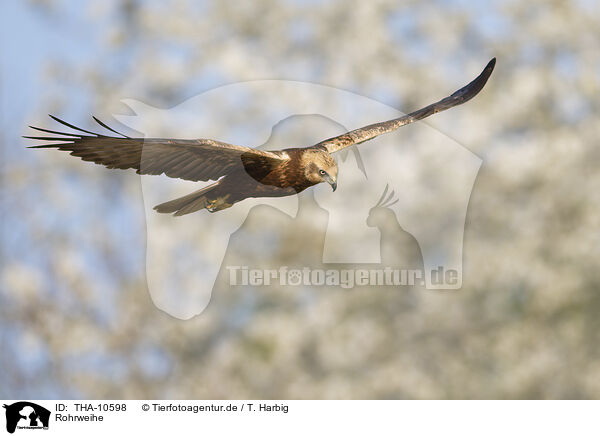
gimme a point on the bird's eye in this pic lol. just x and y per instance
(322, 172)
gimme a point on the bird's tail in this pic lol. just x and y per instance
(188, 203)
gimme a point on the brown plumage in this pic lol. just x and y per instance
(240, 172)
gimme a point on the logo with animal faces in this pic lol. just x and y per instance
(25, 415)
(401, 199)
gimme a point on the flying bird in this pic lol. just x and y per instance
(239, 172)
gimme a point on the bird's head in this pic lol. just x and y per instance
(320, 167)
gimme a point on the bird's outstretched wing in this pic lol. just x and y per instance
(188, 159)
(373, 130)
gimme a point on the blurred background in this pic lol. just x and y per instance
(76, 319)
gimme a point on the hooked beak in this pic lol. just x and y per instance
(331, 181)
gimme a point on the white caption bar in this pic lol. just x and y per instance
(301, 417)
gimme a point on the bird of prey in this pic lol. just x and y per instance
(239, 172)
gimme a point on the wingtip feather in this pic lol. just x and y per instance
(109, 128)
(58, 120)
